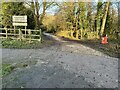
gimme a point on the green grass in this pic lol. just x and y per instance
(17, 44)
(6, 69)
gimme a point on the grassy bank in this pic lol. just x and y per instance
(17, 44)
(112, 48)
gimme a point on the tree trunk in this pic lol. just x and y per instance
(89, 15)
(35, 6)
(72, 34)
(104, 18)
(77, 34)
(44, 9)
(37, 15)
(98, 18)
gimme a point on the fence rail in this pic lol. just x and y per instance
(20, 34)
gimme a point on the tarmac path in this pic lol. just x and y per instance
(64, 65)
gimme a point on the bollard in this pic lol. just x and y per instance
(104, 40)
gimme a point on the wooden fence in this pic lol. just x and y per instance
(21, 34)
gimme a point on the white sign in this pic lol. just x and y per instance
(19, 20)
(19, 24)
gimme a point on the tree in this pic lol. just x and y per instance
(99, 15)
(35, 10)
(104, 18)
(86, 19)
(10, 9)
(82, 18)
(89, 15)
(15, 8)
(35, 6)
(0, 15)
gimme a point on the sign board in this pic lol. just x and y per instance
(19, 24)
(19, 20)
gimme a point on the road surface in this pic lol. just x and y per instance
(63, 65)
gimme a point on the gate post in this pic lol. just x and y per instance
(29, 35)
(20, 34)
(40, 36)
(6, 33)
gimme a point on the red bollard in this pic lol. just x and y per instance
(104, 40)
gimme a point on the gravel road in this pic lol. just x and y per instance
(64, 65)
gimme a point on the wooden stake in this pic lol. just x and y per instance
(14, 30)
(29, 35)
(25, 31)
(6, 33)
(40, 36)
(20, 34)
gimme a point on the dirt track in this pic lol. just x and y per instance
(66, 64)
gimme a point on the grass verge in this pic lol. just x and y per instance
(6, 69)
(111, 48)
(16, 44)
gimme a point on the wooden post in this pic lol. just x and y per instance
(20, 34)
(40, 36)
(25, 31)
(6, 33)
(14, 30)
(29, 35)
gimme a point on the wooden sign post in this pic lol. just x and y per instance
(20, 21)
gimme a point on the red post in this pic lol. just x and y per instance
(104, 40)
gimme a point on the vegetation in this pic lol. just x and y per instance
(111, 49)
(10, 43)
(81, 21)
(88, 23)
(15, 8)
(30, 9)
(87, 19)
(6, 69)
